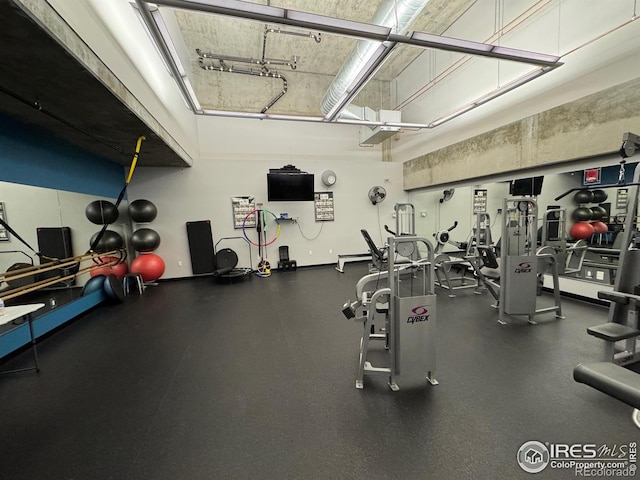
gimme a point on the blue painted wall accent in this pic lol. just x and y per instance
(609, 175)
(31, 156)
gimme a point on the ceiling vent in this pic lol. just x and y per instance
(376, 135)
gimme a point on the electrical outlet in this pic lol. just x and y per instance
(179, 263)
(310, 252)
(499, 211)
(330, 250)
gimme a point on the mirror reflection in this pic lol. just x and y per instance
(585, 226)
(53, 223)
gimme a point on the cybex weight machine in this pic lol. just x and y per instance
(401, 315)
(513, 280)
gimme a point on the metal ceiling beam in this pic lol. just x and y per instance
(187, 92)
(268, 14)
(295, 18)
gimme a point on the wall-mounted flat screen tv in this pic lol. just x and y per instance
(526, 186)
(290, 187)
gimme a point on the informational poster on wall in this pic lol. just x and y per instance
(323, 206)
(622, 199)
(4, 235)
(479, 200)
(243, 212)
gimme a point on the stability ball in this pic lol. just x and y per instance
(142, 211)
(599, 196)
(119, 269)
(149, 265)
(582, 214)
(598, 212)
(94, 284)
(583, 196)
(101, 212)
(599, 227)
(145, 240)
(110, 241)
(581, 231)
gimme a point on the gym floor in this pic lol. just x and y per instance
(256, 380)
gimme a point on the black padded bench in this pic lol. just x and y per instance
(614, 380)
(613, 332)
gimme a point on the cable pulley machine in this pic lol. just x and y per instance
(400, 315)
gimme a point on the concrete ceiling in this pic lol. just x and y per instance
(319, 57)
(43, 86)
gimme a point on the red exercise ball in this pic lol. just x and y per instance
(119, 269)
(581, 231)
(149, 265)
(600, 227)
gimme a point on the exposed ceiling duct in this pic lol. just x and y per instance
(396, 14)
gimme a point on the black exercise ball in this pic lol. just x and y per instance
(598, 212)
(582, 214)
(110, 241)
(583, 196)
(101, 212)
(145, 240)
(142, 211)
(599, 196)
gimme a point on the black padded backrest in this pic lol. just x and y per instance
(611, 379)
(375, 251)
(489, 259)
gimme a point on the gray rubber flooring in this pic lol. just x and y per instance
(256, 380)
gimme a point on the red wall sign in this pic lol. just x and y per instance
(592, 176)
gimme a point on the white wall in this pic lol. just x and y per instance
(610, 60)
(204, 192)
(237, 155)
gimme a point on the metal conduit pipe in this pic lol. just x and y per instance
(264, 72)
(395, 14)
(293, 63)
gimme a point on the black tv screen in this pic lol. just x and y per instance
(290, 187)
(526, 186)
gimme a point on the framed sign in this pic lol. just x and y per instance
(479, 200)
(323, 206)
(241, 206)
(622, 198)
(4, 235)
(592, 176)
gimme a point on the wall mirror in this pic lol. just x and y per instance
(37, 214)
